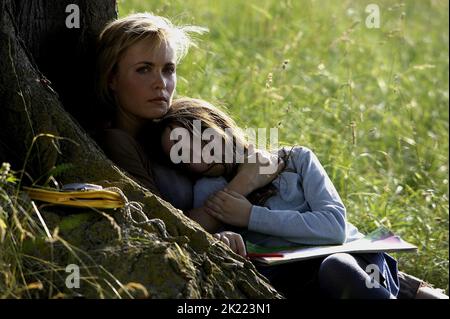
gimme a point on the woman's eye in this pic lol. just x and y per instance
(143, 70)
(169, 70)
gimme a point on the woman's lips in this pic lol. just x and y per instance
(158, 100)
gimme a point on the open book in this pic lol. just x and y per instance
(380, 240)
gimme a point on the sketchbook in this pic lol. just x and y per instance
(380, 240)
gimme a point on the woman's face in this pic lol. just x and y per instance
(202, 168)
(145, 81)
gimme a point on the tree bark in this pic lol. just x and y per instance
(66, 55)
(169, 254)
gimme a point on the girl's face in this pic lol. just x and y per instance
(145, 80)
(202, 168)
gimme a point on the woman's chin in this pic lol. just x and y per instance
(215, 171)
(158, 111)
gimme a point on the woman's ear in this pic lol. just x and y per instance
(112, 82)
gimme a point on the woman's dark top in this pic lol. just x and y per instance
(161, 180)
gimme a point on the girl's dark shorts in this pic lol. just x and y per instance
(301, 279)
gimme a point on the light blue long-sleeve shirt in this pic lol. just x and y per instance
(306, 209)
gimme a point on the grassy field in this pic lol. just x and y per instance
(372, 103)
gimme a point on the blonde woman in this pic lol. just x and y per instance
(137, 60)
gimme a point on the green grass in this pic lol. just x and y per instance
(29, 267)
(372, 103)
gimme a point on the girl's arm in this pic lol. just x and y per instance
(324, 223)
(259, 169)
(250, 177)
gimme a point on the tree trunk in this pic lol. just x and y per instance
(169, 254)
(66, 55)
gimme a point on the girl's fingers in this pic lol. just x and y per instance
(225, 196)
(240, 246)
(225, 207)
(215, 198)
(233, 245)
(213, 205)
(211, 212)
(232, 240)
(221, 195)
(225, 240)
(232, 193)
(214, 213)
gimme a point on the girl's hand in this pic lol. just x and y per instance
(234, 241)
(229, 207)
(260, 168)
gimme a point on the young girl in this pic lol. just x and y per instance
(301, 206)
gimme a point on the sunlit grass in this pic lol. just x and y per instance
(29, 267)
(372, 103)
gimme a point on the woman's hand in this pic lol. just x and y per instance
(234, 241)
(229, 207)
(259, 169)
(207, 221)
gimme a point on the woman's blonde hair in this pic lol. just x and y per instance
(122, 33)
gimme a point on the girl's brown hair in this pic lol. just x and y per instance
(184, 111)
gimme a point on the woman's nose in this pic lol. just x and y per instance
(159, 82)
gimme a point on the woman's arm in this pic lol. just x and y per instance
(126, 153)
(204, 188)
(161, 180)
(208, 222)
